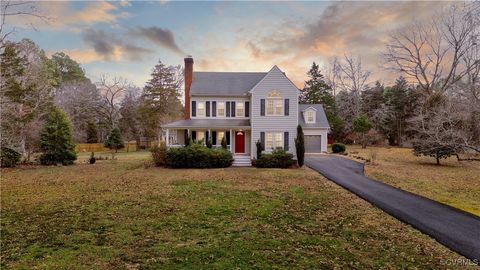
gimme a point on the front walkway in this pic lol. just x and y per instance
(452, 227)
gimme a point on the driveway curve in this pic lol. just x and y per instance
(454, 228)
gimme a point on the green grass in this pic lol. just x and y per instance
(453, 183)
(120, 215)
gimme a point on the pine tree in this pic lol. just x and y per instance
(114, 141)
(316, 90)
(300, 146)
(56, 140)
(361, 124)
(92, 134)
(160, 99)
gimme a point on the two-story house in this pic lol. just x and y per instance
(246, 107)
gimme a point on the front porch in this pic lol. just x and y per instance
(236, 134)
(238, 140)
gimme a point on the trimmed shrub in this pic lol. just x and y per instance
(279, 158)
(92, 158)
(300, 146)
(9, 157)
(159, 154)
(209, 143)
(224, 142)
(338, 148)
(188, 141)
(198, 156)
(259, 148)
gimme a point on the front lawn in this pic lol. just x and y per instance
(453, 183)
(120, 215)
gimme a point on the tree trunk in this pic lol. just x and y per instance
(364, 141)
(438, 161)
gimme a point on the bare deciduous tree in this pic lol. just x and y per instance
(432, 52)
(111, 92)
(348, 74)
(10, 9)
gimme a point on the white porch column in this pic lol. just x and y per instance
(167, 139)
(231, 141)
(209, 136)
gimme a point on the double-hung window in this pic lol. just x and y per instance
(201, 109)
(274, 103)
(221, 109)
(273, 140)
(310, 117)
(240, 109)
(220, 135)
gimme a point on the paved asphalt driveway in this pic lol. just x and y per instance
(452, 227)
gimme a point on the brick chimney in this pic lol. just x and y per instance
(188, 82)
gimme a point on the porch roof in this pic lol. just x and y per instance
(209, 123)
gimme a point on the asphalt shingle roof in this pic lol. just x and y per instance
(321, 118)
(224, 83)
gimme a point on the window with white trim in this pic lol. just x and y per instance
(274, 103)
(273, 140)
(240, 109)
(220, 108)
(310, 116)
(201, 109)
(200, 135)
(220, 135)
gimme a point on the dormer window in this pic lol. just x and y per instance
(310, 116)
(274, 103)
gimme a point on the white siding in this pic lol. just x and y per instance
(274, 80)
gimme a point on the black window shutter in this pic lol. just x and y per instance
(262, 139)
(285, 141)
(194, 135)
(233, 108)
(287, 107)
(228, 137)
(214, 108)
(207, 109)
(214, 137)
(262, 107)
(247, 109)
(228, 108)
(194, 108)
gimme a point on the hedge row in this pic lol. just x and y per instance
(279, 158)
(198, 156)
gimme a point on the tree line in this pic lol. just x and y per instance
(434, 104)
(33, 86)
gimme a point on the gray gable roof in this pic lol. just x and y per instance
(321, 118)
(224, 83)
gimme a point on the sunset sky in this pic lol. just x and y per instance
(128, 38)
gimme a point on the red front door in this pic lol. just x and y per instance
(239, 142)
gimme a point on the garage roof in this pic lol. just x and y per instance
(321, 118)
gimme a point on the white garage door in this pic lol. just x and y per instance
(313, 143)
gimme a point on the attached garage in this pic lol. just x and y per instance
(315, 126)
(313, 143)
